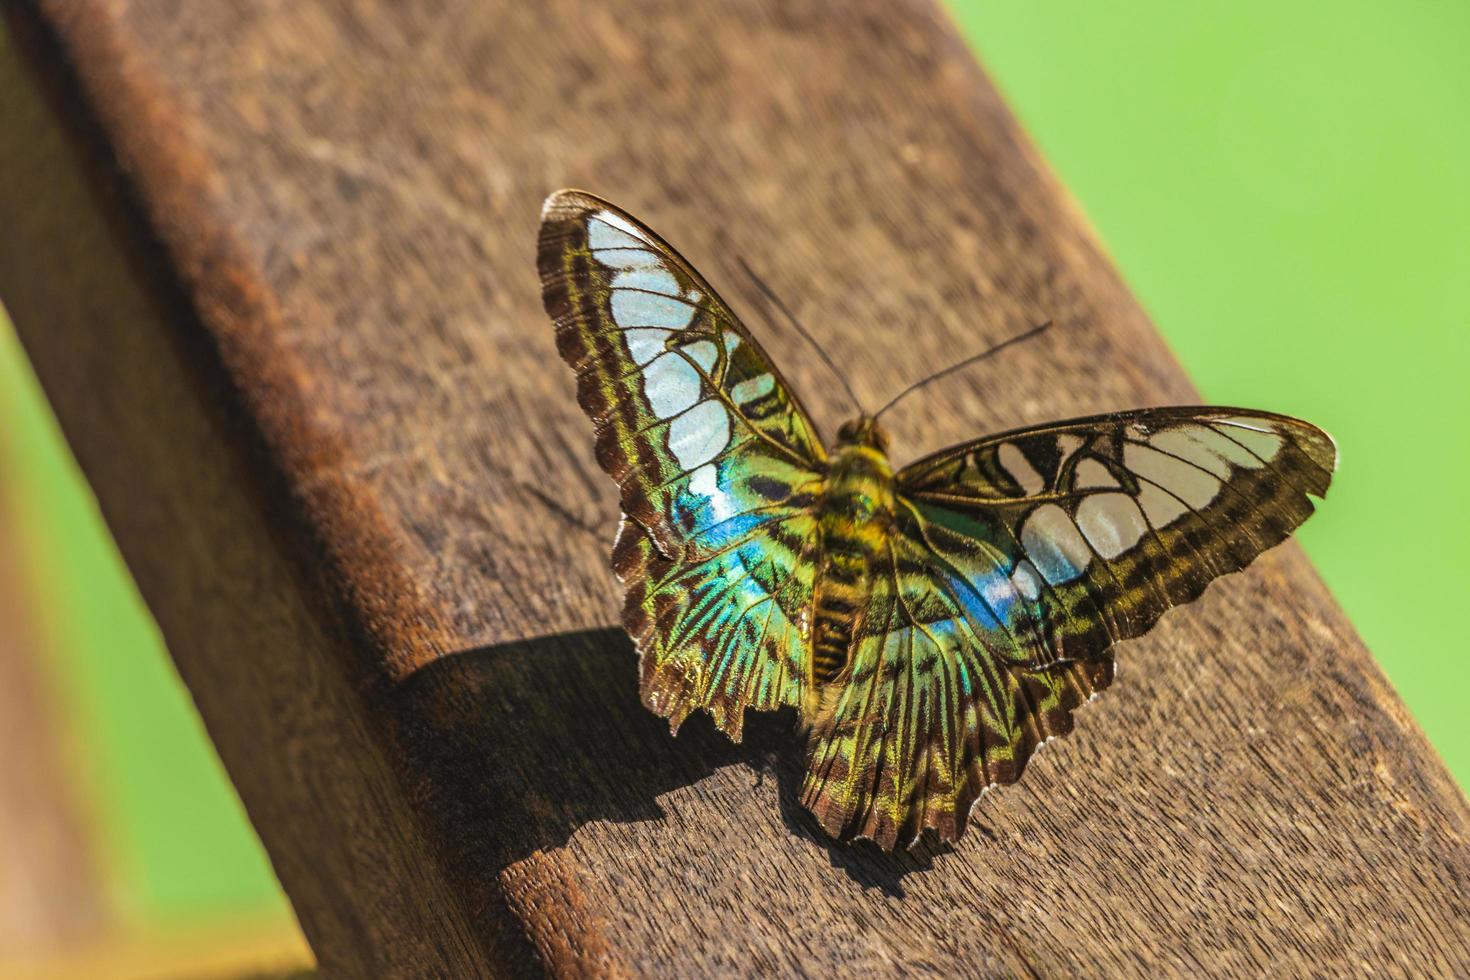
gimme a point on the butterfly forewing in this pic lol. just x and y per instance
(718, 464)
(1109, 521)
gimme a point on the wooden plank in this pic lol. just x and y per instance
(327, 424)
(122, 362)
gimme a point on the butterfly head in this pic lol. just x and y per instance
(863, 431)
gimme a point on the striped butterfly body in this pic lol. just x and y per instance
(931, 625)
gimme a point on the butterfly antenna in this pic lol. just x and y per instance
(770, 296)
(990, 352)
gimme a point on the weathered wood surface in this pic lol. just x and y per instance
(302, 358)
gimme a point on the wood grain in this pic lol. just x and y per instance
(290, 320)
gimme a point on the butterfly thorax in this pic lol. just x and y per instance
(856, 509)
(859, 489)
(859, 494)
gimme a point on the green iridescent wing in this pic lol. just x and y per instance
(929, 714)
(1015, 564)
(718, 465)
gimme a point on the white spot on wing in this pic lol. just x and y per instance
(655, 279)
(628, 258)
(630, 309)
(1054, 545)
(645, 344)
(1025, 580)
(1159, 506)
(1253, 435)
(1224, 447)
(752, 389)
(997, 589)
(671, 385)
(1191, 484)
(1180, 442)
(703, 353)
(700, 434)
(622, 526)
(1112, 522)
(1093, 475)
(613, 229)
(705, 482)
(1019, 467)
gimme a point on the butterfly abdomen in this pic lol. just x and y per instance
(855, 512)
(842, 589)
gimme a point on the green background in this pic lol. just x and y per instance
(1283, 185)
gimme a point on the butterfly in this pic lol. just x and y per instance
(931, 625)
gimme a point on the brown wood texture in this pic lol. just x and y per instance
(289, 317)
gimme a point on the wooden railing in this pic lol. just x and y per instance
(273, 264)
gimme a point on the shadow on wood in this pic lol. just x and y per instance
(524, 743)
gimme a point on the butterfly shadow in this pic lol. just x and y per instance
(513, 747)
(863, 861)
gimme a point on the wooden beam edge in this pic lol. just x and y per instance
(265, 648)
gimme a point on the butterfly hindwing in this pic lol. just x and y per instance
(931, 710)
(717, 463)
(1014, 564)
(722, 633)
